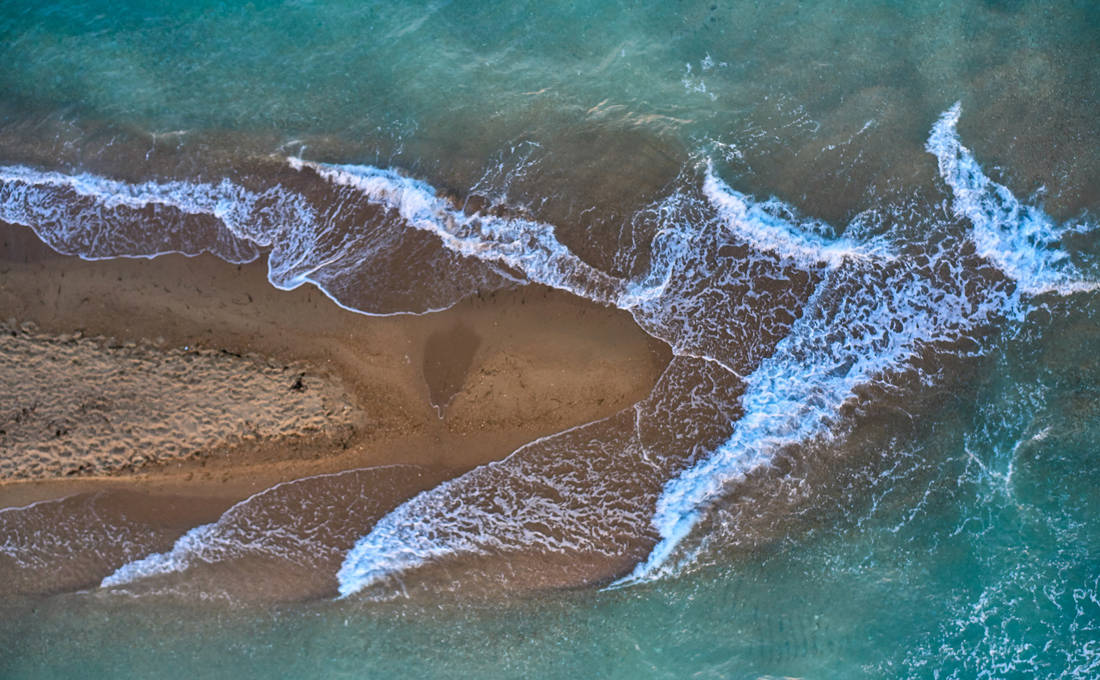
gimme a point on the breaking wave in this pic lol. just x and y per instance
(775, 321)
(869, 317)
(1021, 240)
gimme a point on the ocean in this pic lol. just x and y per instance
(867, 231)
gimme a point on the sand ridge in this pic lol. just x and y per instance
(532, 362)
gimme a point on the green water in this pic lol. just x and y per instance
(959, 540)
(970, 551)
(616, 95)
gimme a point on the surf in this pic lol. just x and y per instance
(788, 308)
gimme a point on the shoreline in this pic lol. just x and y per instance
(510, 366)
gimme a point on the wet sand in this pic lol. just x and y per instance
(503, 369)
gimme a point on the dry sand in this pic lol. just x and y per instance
(217, 385)
(77, 405)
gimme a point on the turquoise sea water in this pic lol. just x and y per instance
(868, 231)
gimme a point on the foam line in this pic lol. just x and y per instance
(96, 218)
(243, 220)
(242, 529)
(795, 394)
(1021, 240)
(497, 508)
(525, 246)
(770, 226)
(870, 314)
(851, 334)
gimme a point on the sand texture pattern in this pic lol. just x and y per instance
(208, 410)
(75, 405)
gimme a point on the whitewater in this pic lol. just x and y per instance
(797, 326)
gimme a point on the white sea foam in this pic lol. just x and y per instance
(208, 199)
(565, 509)
(34, 539)
(770, 226)
(230, 536)
(869, 331)
(28, 549)
(585, 495)
(535, 501)
(870, 314)
(1021, 240)
(525, 246)
(292, 522)
(857, 329)
(188, 548)
(98, 218)
(713, 308)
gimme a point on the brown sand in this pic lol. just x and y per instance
(508, 368)
(105, 408)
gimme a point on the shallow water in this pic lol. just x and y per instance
(867, 230)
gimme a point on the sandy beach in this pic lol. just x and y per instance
(194, 377)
